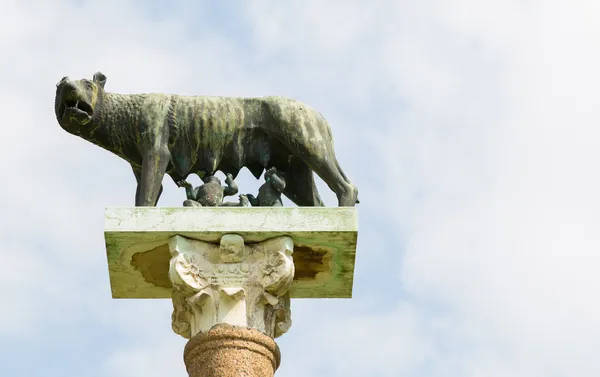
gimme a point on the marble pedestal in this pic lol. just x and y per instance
(231, 272)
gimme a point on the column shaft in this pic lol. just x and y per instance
(226, 351)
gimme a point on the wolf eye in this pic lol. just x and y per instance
(89, 85)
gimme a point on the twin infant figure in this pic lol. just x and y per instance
(212, 193)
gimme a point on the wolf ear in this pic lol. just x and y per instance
(99, 79)
(63, 80)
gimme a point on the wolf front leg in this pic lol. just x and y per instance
(154, 167)
(137, 171)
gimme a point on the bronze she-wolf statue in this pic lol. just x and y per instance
(182, 135)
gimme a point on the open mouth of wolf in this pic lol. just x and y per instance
(76, 109)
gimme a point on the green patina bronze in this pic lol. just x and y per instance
(269, 194)
(211, 193)
(180, 135)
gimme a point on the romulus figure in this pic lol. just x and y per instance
(212, 193)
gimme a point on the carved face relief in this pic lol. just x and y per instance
(76, 101)
(232, 248)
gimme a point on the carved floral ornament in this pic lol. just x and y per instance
(230, 282)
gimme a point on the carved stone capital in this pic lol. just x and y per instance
(231, 282)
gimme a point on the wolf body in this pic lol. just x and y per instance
(179, 135)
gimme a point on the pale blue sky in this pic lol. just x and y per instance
(470, 128)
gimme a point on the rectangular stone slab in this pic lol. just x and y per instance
(138, 252)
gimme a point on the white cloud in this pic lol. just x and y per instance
(390, 342)
(513, 254)
(469, 127)
(162, 357)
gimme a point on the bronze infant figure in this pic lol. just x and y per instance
(212, 193)
(269, 194)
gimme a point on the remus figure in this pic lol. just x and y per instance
(269, 194)
(211, 193)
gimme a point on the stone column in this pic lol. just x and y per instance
(230, 273)
(231, 300)
(226, 351)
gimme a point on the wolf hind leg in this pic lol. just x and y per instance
(328, 168)
(300, 185)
